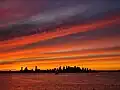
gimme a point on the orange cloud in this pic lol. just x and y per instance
(41, 52)
(44, 36)
(59, 50)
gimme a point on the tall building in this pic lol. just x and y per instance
(36, 68)
(21, 69)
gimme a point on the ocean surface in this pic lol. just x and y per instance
(81, 81)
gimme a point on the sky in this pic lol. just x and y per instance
(53, 33)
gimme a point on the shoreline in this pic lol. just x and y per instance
(59, 72)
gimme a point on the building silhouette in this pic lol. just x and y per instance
(64, 69)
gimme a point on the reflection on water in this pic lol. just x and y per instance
(83, 81)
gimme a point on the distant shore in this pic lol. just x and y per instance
(64, 69)
(97, 71)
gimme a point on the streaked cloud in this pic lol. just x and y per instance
(52, 33)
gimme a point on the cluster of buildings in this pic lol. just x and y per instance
(64, 69)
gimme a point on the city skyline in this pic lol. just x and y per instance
(54, 33)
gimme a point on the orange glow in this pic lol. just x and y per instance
(95, 63)
(80, 53)
(39, 51)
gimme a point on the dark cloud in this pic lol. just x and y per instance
(109, 32)
(47, 15)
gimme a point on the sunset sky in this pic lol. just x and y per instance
(53, 33)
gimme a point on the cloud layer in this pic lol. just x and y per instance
(52, 33)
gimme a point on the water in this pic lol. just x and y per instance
(83, 81)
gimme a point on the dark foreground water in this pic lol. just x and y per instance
(83, 81)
